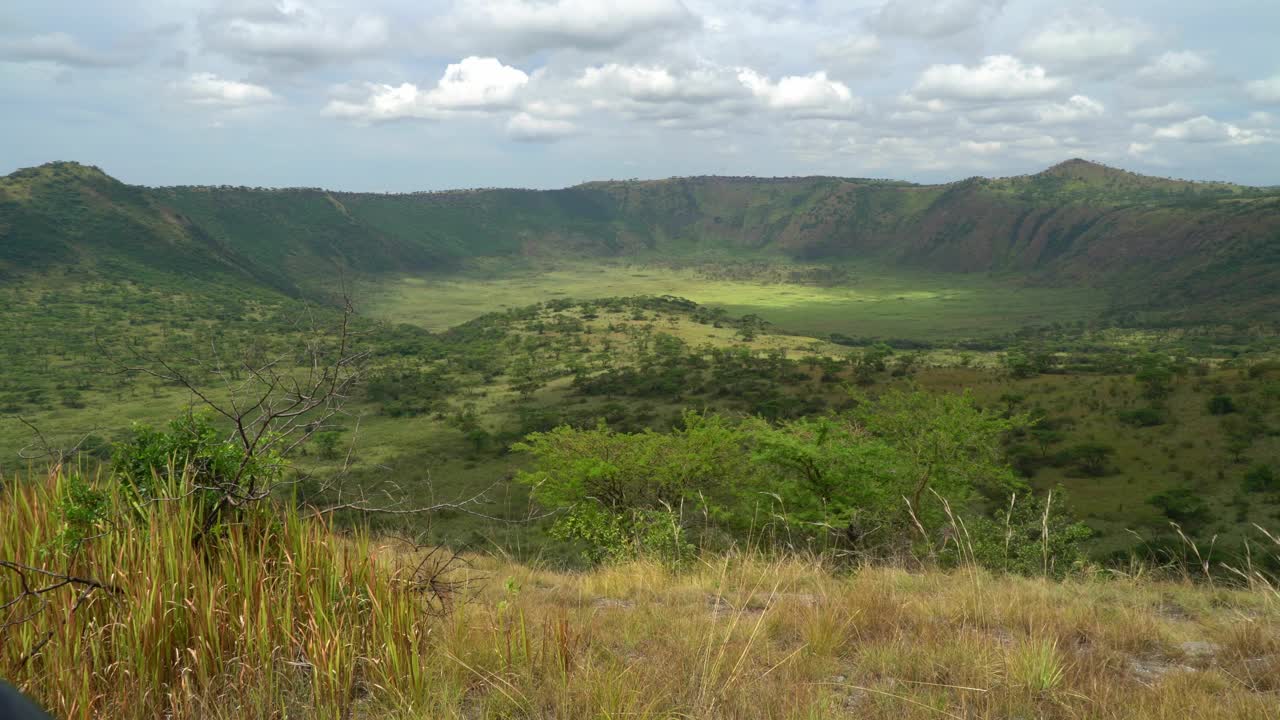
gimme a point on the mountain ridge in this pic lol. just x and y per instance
(1076, 167)
(1185, 249)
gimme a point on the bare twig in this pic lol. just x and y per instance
(30, 591)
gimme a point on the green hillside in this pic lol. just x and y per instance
(1197, 248)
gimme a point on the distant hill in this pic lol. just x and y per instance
(1186, 249)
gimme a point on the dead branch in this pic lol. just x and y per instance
(29, 591)
(41, 448)
(435, 577)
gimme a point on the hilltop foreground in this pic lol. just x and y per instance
(283, 618)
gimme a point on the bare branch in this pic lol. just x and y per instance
(29, 591)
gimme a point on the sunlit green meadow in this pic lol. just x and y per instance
(874, 303)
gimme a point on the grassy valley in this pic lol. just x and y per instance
(869, 300)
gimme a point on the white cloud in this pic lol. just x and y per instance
(1168, 111)
(474, 84)
(989, 147)
(477, 83)
(659, 83)
(209, 89)
(1137, 149)
(531, 128)
(1175, 68)
(1087, 38)
(696, 97)
(1078, 108)
(921, 153)
(686, 98)
(655, 83)
(998, 77)
(61, 49)
(1037, 143)
(1204, 129)
(291, 32)
(852, 52)
(1260, 118)
(1016, 116)
(814, 95)
(1004, 113)
(551, 109)
(912, 117)
(909, 102)
(531, 25)
(1266, 90)
(934, 18)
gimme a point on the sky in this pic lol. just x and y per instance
(402, 95)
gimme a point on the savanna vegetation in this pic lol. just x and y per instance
(659, 449)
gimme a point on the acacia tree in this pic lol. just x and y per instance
(829, 473)
(623, 493)
(1155, 374)
(1091, 458)
(948, 444)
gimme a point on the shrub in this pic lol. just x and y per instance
(1263, 369)
(327, 444)
(829, 478)
(1261, 478)
(1155, 375)
(192, 452)
(1023, 363)
(1031, 536)
(1221, 405)
(1184, 506)
(619, 536)
(1142, 417)
(1092, 459)
(82, 510)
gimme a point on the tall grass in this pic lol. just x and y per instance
(279, 616)
(276, 612)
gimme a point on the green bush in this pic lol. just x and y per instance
(192, 453)
(839, 479)
(1090, 458)
(1142, 417)
(1221, 405)
(619, 536)
(1025, 363)
(1021, 538)
(1261, 478)
(327, 444)
(82, 510)
(1184, 506)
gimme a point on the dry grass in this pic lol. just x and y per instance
(287, 619)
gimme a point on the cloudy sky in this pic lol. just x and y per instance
(430, 94)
